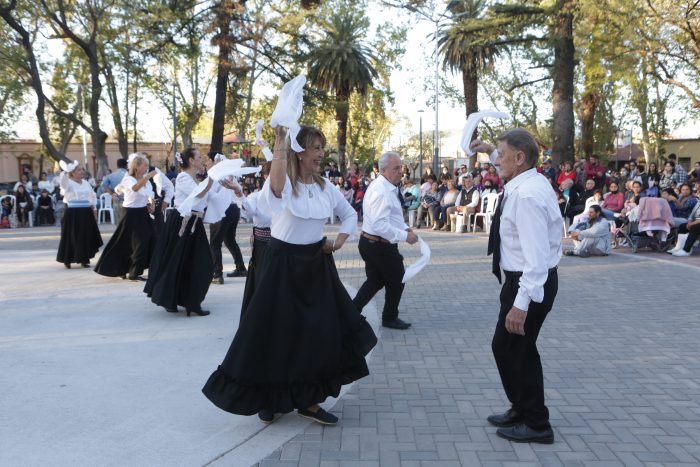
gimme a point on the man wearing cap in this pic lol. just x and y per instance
(383, 228)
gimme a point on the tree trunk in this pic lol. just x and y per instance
(563, 87)
(588, 107)
(6, 14)
(341, 117)
(136, 106)
(99, 137)
(470, 81)
(223, 20)
(122, 137)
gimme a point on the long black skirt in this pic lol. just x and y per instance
(254, 265)
(80, 236)
(129, 250)
(301, 337)
(181, 267)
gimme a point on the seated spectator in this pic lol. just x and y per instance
(682, 205)
(44, 209)
(5, 213)
(637, 174)
(547, 168)
(24, 205)
(688, 233)
(467, 202)
(614, 201)
(566, 173)
(680, 172)
(492, 176)
(448, 200)
(428, 203)
(462, 172)
(669, 176)
(695, 174)
(595, 171)
(488, 188)
(593, 238)
(476, 170)
(425, 187)
(23, 181)
(45, 184)
(577, 203)
(411, 196)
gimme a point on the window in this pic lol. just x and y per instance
(685, 163)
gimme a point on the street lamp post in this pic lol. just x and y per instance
(436, 155)
(420, 138)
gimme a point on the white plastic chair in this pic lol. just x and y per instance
(412, 217)
(105, 208)
(489, 200)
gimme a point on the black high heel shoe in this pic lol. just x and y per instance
(67, 265)
(198, 312)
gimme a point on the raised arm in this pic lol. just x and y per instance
(278, 172)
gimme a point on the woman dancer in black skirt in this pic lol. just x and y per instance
(181, 266)
(301, 337)
(261, 235)
(128, 252)
(80, 237)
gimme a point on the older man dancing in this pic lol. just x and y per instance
(382, 228)
(525, 241)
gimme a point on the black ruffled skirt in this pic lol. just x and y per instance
(130, 248)
(255, 264)
(301, 337)
(181, 266)
(80, 236)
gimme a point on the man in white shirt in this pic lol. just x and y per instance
(382, 228)
(526, 243)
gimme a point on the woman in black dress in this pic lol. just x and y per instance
(182, 266)
(301, 337)
(129, 250)
(80, 236)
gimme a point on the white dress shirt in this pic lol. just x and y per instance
(300, 219)
(184, 185)
(473, 199)
(530, 234)
(382, 212)
(74, 191)
(255, 209)
(134, 199)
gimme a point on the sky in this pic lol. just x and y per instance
(417, 66)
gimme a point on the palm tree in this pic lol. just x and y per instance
(462, 53)
(341, 64)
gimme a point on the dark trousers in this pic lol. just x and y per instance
(516, 356)
(693, 235)
(384, 268)
(224, 232)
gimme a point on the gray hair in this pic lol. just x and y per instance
(522, 140)
(385, 158)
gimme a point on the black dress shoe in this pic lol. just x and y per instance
(522, 433)
(267, 416)
(136, 278)
(171, 310)
(198, 312)
(397, 323)
(320, 416)
(67, 265)
(218, 280)
(504, 420)
(238, 272)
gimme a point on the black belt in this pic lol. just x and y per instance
(520, 273)
(375, 238)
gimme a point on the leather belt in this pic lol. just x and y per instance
(374, 238)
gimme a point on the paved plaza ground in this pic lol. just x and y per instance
(94, 374)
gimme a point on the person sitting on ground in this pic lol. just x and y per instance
(614, 201)
(466, 204)
(440, 211)
(428, 203)
(44, 210)
(594, 238)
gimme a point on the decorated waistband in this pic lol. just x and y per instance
(79, 204)
(261, 233)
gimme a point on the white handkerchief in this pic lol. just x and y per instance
(289, 107)
(258, 130)
(418, 266)
(68, 167)
(227, 168)
(473, 122)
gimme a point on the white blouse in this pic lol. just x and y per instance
(184, 185)
(300, 219)
(74, 191)
(255, 209)
(134, 199)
